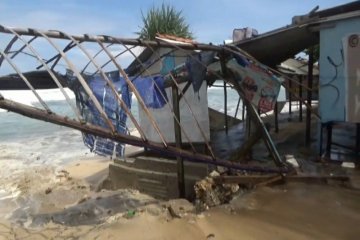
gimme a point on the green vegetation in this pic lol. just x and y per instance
(164, 20)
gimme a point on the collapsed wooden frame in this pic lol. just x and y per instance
(76, 41)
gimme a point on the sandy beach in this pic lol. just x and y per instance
(51, 189)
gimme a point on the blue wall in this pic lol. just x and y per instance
(331, 102)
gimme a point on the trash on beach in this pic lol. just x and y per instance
(210, 194)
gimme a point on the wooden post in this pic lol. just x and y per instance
(300, 100)
(180, 161)
(309, 97)
(357, 148)
(328, 139)
(237, 107)
(276, 117)
(243, 111)
(290, 98)
(245, 149)
(225, 109)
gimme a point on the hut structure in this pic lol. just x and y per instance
(339, 89)
(169, 82)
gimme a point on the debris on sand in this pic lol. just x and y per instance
(210, 194)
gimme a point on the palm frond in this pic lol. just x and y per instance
(164, 20)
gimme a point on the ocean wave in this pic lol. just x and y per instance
(27, 97)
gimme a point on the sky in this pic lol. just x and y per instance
(210, 21)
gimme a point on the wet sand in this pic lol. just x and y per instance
(295, 211)
(49, 189)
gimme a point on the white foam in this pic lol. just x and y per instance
(27, 96)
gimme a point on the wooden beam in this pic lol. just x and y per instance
(132, 140)
(109, 39)
(256, 179)
(178, 142)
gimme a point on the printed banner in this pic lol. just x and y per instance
(261, 86)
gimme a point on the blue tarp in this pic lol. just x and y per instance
(151, 90)
(196, 66)
(115, 113)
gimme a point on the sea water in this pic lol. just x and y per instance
(14, 126)
(23, 137)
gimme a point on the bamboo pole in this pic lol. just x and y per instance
(108, 39)
(93, 57)
(52, 75)
(22, 48)
(177, 118)
(137, 94)
(177, 131)
(109, 61)
(57, 57)
(237, 107)
(132, 140)
(17, 70)
(111, 85)
(82, 82)
(8, 48)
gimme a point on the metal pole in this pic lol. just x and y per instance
(309, 97)
(180, 161)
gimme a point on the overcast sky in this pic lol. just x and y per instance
(211, 21)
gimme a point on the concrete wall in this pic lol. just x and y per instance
(164, 117)
(332, 92)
